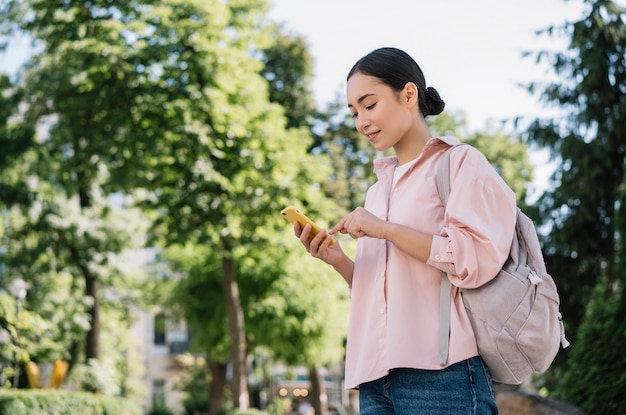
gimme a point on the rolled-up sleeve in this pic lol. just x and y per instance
(479, 221)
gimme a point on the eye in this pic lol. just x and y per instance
(369, 107)
(354, 115)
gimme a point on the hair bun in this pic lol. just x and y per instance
(434, 103)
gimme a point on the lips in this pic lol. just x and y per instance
(372, 136)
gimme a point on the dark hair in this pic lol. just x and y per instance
(395, 68)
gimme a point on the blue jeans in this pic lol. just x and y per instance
(462, 388)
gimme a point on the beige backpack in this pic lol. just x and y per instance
(515, 316)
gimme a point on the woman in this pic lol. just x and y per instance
(405, 240)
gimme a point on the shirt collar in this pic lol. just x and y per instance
(383, 163)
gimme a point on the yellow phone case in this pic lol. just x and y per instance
(294, 215)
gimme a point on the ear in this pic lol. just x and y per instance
(410, 94)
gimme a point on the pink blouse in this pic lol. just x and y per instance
(394, 316)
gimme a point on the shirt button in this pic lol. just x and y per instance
(395, 190)
(382, 310)
(437, 258)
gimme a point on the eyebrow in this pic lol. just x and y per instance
(361, 99)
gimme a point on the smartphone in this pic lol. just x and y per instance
(294, 215)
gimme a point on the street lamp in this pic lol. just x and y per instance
(18, 289)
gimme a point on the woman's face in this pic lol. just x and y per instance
(381, 114)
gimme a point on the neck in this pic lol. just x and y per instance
(412, 145)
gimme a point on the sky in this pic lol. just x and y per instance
(469, 50)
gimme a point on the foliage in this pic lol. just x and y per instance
(507, 154)
(351, 158)
(240, 164)
(588, 146)
(15, 139)
(200, 271)
(449, 123)
(220, 180)
(304, 320)
(30, 337)
(194, 404)
(69, 242)
(251, 411)
(279, 406)
(592, 379)
(587, 142)
(40, 253)
(288, 69)
(167, 104)
(160, 410)
(96, 376)
(30, 402)
(195, 384)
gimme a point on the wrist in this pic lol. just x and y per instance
(345, 266)
(386, 230)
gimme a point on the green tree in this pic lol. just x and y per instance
(304, 320)
(301, 321)
(593, 378)
(587, 143)
(77, 89)
(288, 69)
(256, 261)
(169, 98)
(220, 164)
(15, 138)
(505, 152)
(200, 271)
(74, 87)
(40, 244)
(595, 373)
(351, 157)
(509, 157)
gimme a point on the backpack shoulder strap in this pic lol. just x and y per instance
(443, 174)
(443, 188)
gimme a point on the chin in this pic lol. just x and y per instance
(381, 147)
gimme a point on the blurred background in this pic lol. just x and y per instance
(146, 149)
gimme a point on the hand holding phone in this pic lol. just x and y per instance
(294, 215)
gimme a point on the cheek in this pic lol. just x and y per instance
(397, 124)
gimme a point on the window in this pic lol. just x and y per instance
(158, 393)
(159, 329)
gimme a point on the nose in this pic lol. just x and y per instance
(362, 122)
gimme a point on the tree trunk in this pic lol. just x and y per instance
(319, 399)
(92, 285)
(237, 331)
(91, 289)
(92, 348)
(218, 383)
